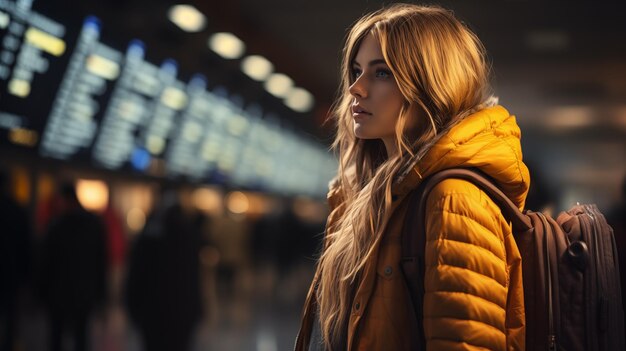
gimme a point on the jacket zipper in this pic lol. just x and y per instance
(551, 335)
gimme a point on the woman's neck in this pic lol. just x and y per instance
(391, 146)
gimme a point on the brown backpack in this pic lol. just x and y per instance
(570, 270)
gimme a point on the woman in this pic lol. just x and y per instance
(415, 100)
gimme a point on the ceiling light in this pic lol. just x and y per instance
(257, 67)
(187, 17)
(227, 45)
(279, 85)
(300, 100)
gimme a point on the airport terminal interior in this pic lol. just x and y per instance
(196, 137)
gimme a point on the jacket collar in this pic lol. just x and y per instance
(489, 140)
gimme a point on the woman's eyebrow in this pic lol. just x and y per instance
(372, 63)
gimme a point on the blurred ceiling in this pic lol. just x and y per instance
(559, 66)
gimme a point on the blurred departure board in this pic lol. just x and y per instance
(33, 56)
(81, 97)
(68, 95)
(194, 150)
(135, 98)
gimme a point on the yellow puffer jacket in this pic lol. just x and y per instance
(473, 280)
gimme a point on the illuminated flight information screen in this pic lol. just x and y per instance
(33, 56)
(65, 94)
(140, 113)
(82, 94)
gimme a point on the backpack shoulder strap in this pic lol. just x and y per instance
(414, 230)
(414, 225)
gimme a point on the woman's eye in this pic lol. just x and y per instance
(383, 73)
(356, 72)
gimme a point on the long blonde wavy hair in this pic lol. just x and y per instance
(439, 66)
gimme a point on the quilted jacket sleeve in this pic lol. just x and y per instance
(466, 275)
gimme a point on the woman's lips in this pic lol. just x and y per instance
(359, 113)
(360, 117)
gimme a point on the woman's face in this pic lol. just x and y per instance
(377, 99)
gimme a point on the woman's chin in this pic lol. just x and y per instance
(361, 132)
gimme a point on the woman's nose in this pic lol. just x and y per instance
(358, 88)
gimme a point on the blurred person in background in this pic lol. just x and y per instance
(116, 237)
(284, 243)
(110, 334)
(415, 99)
(14, 261)
(72, 270)
(116, 245)
(278, 239)
(163, 287)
